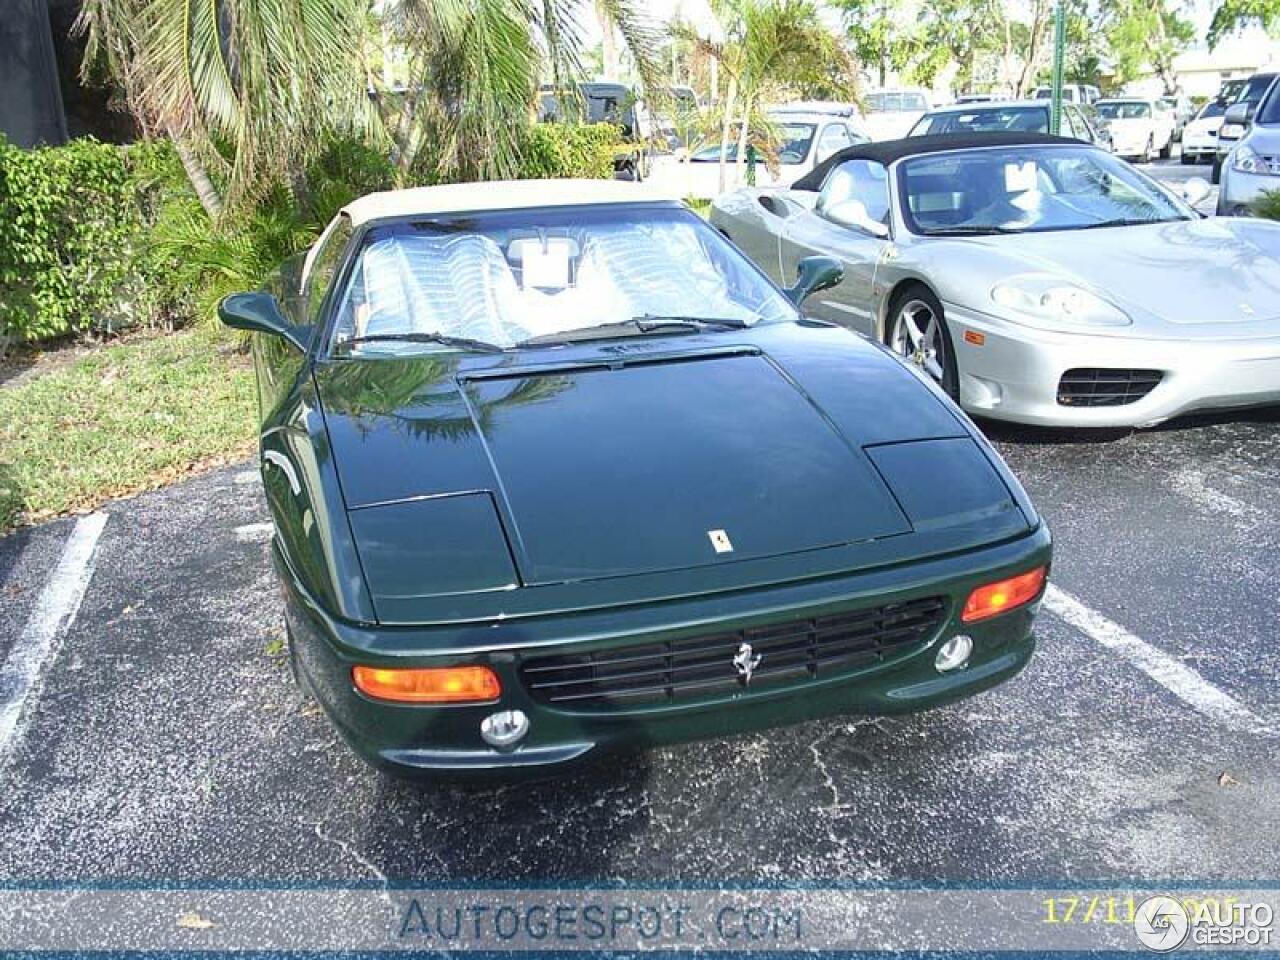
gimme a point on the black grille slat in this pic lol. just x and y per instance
(1101, 387)
(791, 652)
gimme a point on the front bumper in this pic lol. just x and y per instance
(427, 741)
(1014, 374)
(1237, 190)
(1128, 146)
(1204, 149)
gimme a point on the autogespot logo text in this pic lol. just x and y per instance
(1164, 923)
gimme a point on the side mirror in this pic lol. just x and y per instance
(259, 313)
(1196, 190)
(1241, 113)
(814, 274)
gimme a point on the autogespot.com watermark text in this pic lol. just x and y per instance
(605, 923)
(561, 921)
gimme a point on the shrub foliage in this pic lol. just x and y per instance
(99, 237)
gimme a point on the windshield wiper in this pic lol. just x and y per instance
(645, 323)
(649, 321)
(969, 230)
(1116, 222)
(462, 343)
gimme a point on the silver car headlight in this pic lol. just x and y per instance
(1049, 299)
(1245, 159)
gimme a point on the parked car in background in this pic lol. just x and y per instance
(1026, 116)
(891, 113)
(804, 141)
(1140, 128)
(1253, 164)
(449, 391)
(978, 98)
(677, 118)
(1249, 94)
(1180, 109)
(1200, 138)
(836, 108)
(1071, 93)
(1037, 279)
(608, 103)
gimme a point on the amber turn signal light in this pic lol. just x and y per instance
(1004, 595)
(428, 685)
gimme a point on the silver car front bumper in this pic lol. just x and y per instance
(1237, 190)
(1014, 373)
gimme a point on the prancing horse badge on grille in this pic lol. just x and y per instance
(745, 662)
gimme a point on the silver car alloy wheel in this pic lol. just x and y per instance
(917, 335)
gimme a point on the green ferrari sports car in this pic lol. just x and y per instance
(554, 470)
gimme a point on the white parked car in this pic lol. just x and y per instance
(891, 113)
(1200, 136)
(1140, 127)
(805, 140)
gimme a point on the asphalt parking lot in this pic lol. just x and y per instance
(163, 740)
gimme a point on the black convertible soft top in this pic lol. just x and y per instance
(887, 151)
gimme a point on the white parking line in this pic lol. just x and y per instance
(1170, 673)
(253, 531)
(55, 610)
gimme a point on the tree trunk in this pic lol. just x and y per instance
(612, 65)
(743, 133)
(726, 123)
(210, 199)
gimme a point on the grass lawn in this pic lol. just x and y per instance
(120, 419)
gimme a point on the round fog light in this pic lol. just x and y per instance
(954, 654)
(505, 728)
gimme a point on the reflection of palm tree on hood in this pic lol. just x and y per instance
(422, 395)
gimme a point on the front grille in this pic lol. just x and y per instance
(791, 652)
(1100, 387)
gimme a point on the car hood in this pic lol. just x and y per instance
(1207, 125)
(1205, 278)
(635, 464)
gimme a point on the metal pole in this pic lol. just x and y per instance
(1059, 55)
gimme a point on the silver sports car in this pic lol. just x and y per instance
(1035, 279)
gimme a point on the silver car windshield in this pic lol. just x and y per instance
(793, 145)
(1028, 189)
(494, 280)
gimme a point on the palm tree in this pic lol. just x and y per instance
(480, 63)
(770, 47)
(245, 89)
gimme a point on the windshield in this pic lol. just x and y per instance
(1124, 109)
(987, 120)
(793, 145)
(1027, 190)
(1214, 108)
(1269, 110)
(504, 277)
(896, 102)
(1252, 91)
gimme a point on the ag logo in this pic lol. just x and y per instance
(1161, 923)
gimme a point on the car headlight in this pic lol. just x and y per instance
(1048, 298)
(1245, 159)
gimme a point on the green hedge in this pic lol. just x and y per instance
(69, 221)
(551, 150)
(101, 237)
